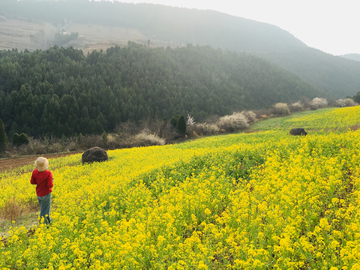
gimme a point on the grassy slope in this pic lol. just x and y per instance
(313, 121)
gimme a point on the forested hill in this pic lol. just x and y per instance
(334, 75)
(170, 24)
(61, 92)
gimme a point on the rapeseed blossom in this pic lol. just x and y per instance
(242, 201)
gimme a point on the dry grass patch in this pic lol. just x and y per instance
(12, 210)
(22, 215)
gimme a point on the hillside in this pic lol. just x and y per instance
(101, 25)
(263, 200)
(73, 94)
(352, 56)
(178, 26)
(334, 75)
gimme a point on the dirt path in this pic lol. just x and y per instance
(10, 163)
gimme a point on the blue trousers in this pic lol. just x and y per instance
(45, 204)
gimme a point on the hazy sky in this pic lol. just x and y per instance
(329, 25)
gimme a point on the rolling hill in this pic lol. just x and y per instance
(168, 24)
(335, 75)
(164, 26)
(74, 94)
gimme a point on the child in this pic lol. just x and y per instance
(43, 179)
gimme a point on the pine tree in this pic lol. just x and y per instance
(181, 125)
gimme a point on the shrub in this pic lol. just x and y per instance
(15, 138)
(233, 122)
(173, 120)
(318, 103)
(36, 147)
(23, 138)
(213, 119)
(169, 133)
(80, 139)
(250, 116)
(104, 137)
(295, 107)
(348, 102)
(44, 146)
(127, 128)
(305, 102)
(20, 139)
(210, 129)
(71, 146)
(202, 129)
(146, 139)
(281, 109)
(261, 112)
(92, 140)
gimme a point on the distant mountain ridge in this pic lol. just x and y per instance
(171, 24)
(351, 56)
(333, 75)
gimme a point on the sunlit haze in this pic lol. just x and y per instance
(331, 26)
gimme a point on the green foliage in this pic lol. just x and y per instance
(20, 139)
(181, 124)
(321, 121)
(104, 137)
(356, 98)
(60, 92)
(80, 139)
(15, 138)
(61, 38)
(3, 136)
(336, 76)
(174, 120)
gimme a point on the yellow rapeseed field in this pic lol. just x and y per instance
(263, 200)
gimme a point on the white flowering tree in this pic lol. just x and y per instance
(319, 103)
(190, 120)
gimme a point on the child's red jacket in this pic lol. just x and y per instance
(44, 182)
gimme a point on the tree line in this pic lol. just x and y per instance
(62, 92)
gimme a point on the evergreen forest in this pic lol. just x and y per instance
(334, 75)
(62, 92)
(179, 25)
